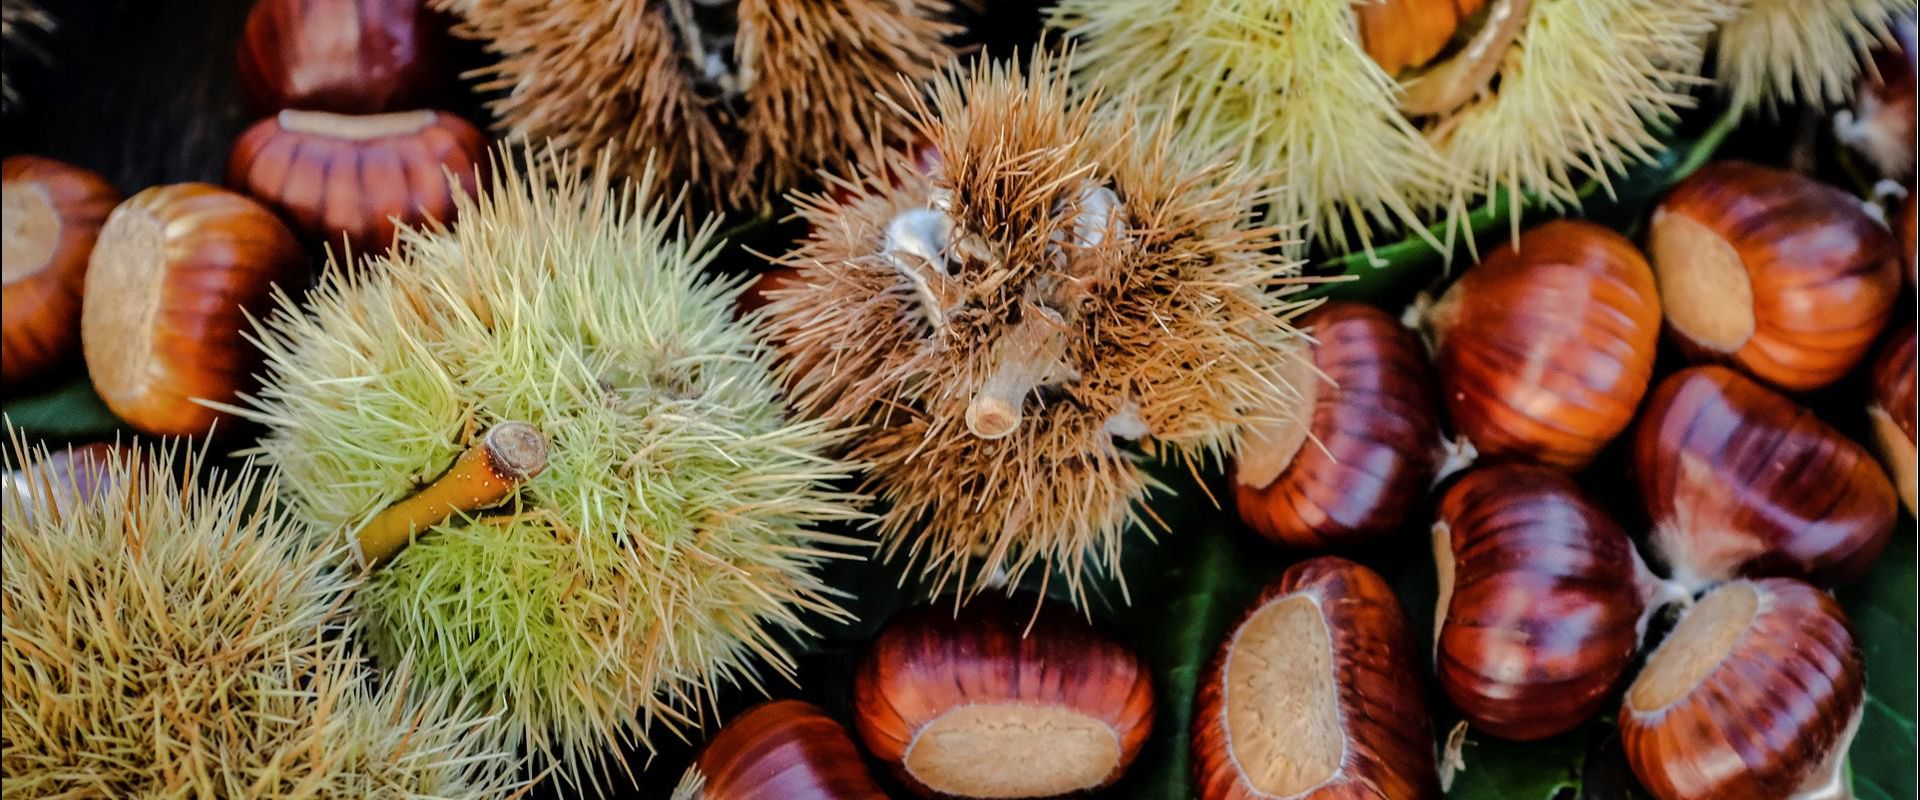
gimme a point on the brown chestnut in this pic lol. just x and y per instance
(1910, 236)
(779, 750)
(164, 321)
(755, 295)
(1312, 695)
(51, 213)
(359, 176)
(1892, 410)
(1374, 440)
(1545, 348)
(1756, 693)
(344, 56)
(956, 706)
(1787, 278)
(1740, 481)
(1404, 34)
(1542, 601)
(1881, 124)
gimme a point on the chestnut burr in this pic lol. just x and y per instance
(1363, 455)
(1311, 696)
(1786, 278)
(780, 750)
(1756, 693)
(957, 706)
(52, 215)
(1545, 348)
(1741, 481)
(1542, 601)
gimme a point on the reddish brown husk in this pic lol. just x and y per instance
(343, 56)
(1781, 704)
(1740, 481)
(1374, 437)
(997, 651)
(783, 750)
(40, 304)
(1388, 747)
(1822, 273)
(1545, 348)
(1547, 595)
(164, 319)
(330, 182)
(1892, 412)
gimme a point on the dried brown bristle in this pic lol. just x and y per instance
(740, 98)
(1057, 282)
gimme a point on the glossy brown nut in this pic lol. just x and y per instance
(755, 297)
(957, 707)
(780, 750)
(1742, 482)
(65, 478)
(1910, 237)
(1544, 351)
(1401, 34)
(164, 322)
(335, 175)
(1313, 696)
(52, 212)
(1892, 410)
(1785, 277)
(1541, 601)
(344, 56)
(1881, 125)
(1756, 693)
(1374, 438)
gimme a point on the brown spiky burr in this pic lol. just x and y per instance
(999, 326)
(742, 99)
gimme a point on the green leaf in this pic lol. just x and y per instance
(1882, 609)
(1500, 770)
(68, 412)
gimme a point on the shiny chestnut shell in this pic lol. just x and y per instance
(1541, 598)
(344, 56)
(1741, 481)
(780, 750)
(1755, 693)
(1784, 277)
(1892, 411)
(1313, 695)
(956, 706)
(64, 478)
(52, 213)
(1405, 34)
(1368, 449)
(333, 175)
(1545, 348)
(164, 322)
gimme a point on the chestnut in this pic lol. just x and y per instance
(1545, 348)
(51, 213)
(344, 56)
(1542, 601)
(171, 282)
(1787, 278)
(64, 478)
(1374, 439)
(1892, 410)
(1881, 124)
(1910, 236)
(1312, 695)
(755, 296)
(1405, 34)
(779, 750)
(1741, 481)
(359, 176)
(957, 703)
(1755, 693)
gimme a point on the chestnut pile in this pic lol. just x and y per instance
(155, 292)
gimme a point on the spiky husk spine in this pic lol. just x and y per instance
(1126, 282)
(1806, 52)
(162, 639)
(668, 545)
(1575, 98)
(613, 75)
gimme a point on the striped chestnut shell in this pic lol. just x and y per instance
(1786, 278)
(1545, 348)
(53, 214)
(780, 750)
(957, 705)
(1363, 458)
(334, 175)
(1542, 601)
(1741, 481)
(1891, 408)
(1312, 695)
(344, 56)
(1756, 693)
